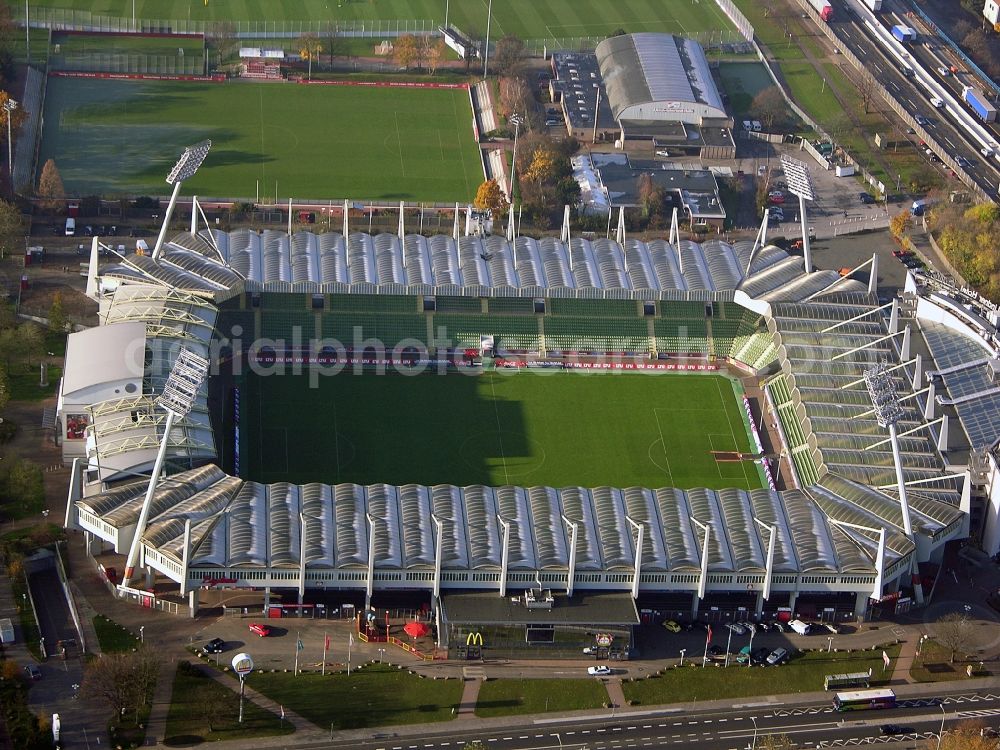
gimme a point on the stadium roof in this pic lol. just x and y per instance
(88, 350)
(819, 527)
(483, 267)
(661, 69)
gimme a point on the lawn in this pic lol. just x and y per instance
(377, 695)
(510, 697)
(126, 44)
(803, 674)
(934, 664)
(306, 142)
(524, 18)
(112, 637)
(530, 428)
(202, 710)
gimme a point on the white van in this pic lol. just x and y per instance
(802, 628)
(70, 226)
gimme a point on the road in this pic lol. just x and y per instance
(852, 33)
(716, 729)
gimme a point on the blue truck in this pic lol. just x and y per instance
(980, 104)
(904, 33)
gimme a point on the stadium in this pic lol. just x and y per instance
(400, 418)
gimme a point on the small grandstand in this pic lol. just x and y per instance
(833, 534)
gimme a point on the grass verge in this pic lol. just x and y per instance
(509, 697)
(202, 710)
(934, 665)
(376, 695)
(112, 637)
(802, 674)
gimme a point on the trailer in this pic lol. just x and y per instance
(980, 104)
(6, 631)
(824, 9)
(904, 33)
(874, 5)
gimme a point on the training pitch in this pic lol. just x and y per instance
(526, 428)
(527, 19)
(305, 142)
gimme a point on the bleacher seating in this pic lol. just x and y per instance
(281, 325)
(568, 334)
(261, 69)
(460, 304)
(511, 306)
(607, 308)
(681, 335)
(388, 328)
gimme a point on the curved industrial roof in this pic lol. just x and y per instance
(656, 68)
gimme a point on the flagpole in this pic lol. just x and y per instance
(350, 642)
(297, 642)
(729, 643)
(708, 639)
(326, 645)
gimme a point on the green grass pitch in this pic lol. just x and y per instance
(527, 428)
(528, 19)
(308, 142)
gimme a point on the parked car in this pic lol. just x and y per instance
(831, 627)
(260, 629)
(776, 197)
(716, 651)
(33, 672)
(891, 729)
(764, 626)
(866, 198)
(759, 656)
(672, 626)
(779, 626)
(778, 656)
(599, 671)
(214, 646)
(737, 628)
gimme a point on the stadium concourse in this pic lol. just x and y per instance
(837, 535)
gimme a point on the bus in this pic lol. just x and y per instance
(847, 681)
(864, 699)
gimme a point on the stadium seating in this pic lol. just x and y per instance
(682, 335)
(281, 324)
(510, 306)
(388, 328)
(802, 458)
(568, 334)
(461, 304)
(261, 69)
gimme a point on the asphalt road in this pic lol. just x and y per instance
(730, 729)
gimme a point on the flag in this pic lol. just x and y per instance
(885, 659)
(282, 712)
(708, 638)
(298, 644)
(350, 638)
(326, 643)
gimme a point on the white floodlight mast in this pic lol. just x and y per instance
(800, 185)
(882, 389)
(177, 399)
(184, 169)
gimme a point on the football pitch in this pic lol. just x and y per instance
(527, 428)
(296, 141)
(527, 19)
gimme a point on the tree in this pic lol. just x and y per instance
(542, 167)
(16, 117)
(900, 224)
(310, 46)
(618, 32)
(226, 41)
(955, 633)
(508, 55)
(515, 96)
(968, 735)
(769, 107)
(50, 187)
(4, 389)
(405, 50)
(12, 228)
(867, 89)
(490, 196)
(651, 195)
(436, 54)
(124, 680)
(57, 316)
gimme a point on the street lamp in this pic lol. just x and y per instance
(515, 118)
(754, 745)
(142, 638)
(9, 106)
(829, 643)
(941, 730)
(683, 651)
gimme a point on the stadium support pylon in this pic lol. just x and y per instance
(620, 232)
(347, 223)
(454, 226)
(402, 225)
(564, 235)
